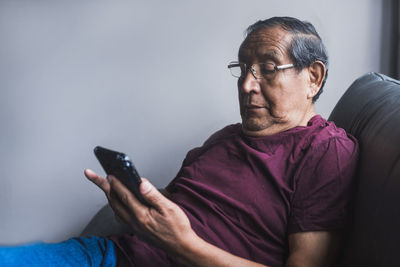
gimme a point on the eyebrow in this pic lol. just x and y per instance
(269, 55)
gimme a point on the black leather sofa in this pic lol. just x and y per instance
(369, 110)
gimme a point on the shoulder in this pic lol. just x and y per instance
(324, 134)
(327, 149)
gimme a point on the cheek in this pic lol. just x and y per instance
(280, 99)
(294, 100)
(272, 94)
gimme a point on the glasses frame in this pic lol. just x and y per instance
(277, 68)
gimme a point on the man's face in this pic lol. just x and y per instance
(268, 106)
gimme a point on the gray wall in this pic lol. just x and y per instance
(148, 78)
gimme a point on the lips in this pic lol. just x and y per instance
(253, 106)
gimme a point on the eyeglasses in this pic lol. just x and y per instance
(259, 70)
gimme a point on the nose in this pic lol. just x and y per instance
(249, 83)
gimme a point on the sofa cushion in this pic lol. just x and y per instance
(370, 110)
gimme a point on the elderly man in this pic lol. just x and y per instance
(273, 190)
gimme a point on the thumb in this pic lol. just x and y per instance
(153, 196)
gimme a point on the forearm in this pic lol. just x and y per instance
(199, 253)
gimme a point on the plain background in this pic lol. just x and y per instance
(148, 78)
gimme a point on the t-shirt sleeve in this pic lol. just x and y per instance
(324, 186)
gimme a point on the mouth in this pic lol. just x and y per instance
(251, 106)
(253, 110)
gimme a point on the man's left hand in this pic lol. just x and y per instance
(163, 223)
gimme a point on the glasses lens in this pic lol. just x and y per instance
(264, 70)
(236, 69)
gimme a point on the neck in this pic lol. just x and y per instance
(281, 127)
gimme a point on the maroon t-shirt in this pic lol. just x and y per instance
(247, 194)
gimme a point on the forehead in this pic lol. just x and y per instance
(265, 44)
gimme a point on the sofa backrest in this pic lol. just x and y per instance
(370, 110)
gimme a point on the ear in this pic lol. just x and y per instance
(317, 72)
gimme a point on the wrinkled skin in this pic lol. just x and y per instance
(271, 106)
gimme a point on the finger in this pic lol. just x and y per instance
(125, 196)
(98, 180)
(154, 197)
(121, 212)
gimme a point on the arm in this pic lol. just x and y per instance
(312, 249)
(164, 224)
(167, 226)
(307, 249)
(200, 253)
(322, 201)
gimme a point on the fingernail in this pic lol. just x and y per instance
(89, 171)
(109, 178)
(145, 187)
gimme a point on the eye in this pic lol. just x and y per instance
(267, 68)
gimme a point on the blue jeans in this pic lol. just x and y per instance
(82, 251)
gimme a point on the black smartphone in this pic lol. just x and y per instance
(119, 165)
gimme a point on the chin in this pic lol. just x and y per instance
(253, 125)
